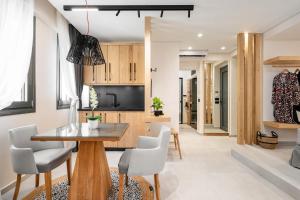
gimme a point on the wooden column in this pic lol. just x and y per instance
(208, 83)
(249, 74)
(147, 38)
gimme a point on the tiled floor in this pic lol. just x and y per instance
(206, 172)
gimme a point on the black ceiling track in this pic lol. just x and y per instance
(137, 8)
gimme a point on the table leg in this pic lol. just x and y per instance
(91, 178)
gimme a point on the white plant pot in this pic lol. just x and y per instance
(93, 124)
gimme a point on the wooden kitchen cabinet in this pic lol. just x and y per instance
(136, 121)
(138, 59)
(126, 65)
(89, 75)
(101, 73)
(113, 68)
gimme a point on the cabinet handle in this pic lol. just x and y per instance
(135, 71)
(104, 117)
(105, 72)
(93, 73)
(86, 114)
(109, 71)
(119, 117)
(129, 71)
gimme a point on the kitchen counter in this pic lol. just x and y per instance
(111, 109)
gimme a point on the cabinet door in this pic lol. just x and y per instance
(127, 140)
(102, 69)
(101, 114)
(126, 65)
(89, 75)
(111, 117)
(113, 64)
(83, 116)
(139, 128)
(138, 64)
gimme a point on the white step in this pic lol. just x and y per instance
(275, 170)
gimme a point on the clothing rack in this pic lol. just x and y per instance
(284, 62)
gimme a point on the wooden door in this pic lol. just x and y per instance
(126, 65)
(111, 117)
(138, 64)
(102, 69)
(113, 64)
(89, 75)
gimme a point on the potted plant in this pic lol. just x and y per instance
(157, 106)
(93, 120)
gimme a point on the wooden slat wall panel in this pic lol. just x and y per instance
(249, 76)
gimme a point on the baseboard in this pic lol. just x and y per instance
(12, 185)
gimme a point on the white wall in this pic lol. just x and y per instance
(272, 49)
(165, 82)
(46, 116)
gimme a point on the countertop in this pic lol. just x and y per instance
(112, 109)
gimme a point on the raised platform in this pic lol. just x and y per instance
(272, 165)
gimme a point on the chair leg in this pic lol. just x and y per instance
(17, 189)
(37, 180)
(126, 177)
(178, 146)
(175, 141)
(157, 186)
(48, 183)
(121, 186)
(69, 169)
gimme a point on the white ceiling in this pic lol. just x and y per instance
(218, 20)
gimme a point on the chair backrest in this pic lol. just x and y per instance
(164, 137)
(21, 138)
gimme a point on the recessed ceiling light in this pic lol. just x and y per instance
(200, 35)
(223, 48)
(190, 48)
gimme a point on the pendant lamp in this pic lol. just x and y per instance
(85, 49)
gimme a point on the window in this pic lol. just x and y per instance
(62, 100)
(25, 101)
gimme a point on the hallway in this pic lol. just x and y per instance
(207, 171)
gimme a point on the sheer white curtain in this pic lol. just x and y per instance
(16, 36)
(67, 68)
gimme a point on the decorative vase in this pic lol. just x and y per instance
(158, 113)
(93, 124)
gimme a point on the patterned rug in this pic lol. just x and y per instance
(138, 188)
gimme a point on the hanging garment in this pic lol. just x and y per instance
(285, 94)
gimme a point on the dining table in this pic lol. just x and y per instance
(91, 177)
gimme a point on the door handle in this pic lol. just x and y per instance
(109, 71)
(130, 71)
(93, 73)
(135, 71)
(105, 75)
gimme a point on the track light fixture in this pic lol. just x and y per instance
(137, 8)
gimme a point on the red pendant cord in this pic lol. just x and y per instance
(87, 17)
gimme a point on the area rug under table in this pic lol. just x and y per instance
(138, 188)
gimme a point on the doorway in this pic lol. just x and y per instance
(224, 98)
(180, 100)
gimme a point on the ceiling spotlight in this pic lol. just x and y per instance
(223, 48)
(161, 13)
(200, 35)
(139, 13)
(118, 12)
(190, 48)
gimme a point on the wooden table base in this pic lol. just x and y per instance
(91, 178)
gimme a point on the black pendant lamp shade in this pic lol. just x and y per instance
(85, 50)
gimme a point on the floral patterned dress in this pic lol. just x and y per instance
(285, 94)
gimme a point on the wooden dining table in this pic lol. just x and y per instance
(91, 177)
